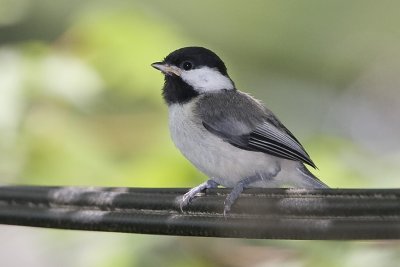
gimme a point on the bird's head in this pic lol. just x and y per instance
(191, 71)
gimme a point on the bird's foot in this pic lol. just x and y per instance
(233, 196)
(187, 198)
(236, 191)
(238, 188)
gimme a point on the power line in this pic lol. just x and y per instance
(259, 213)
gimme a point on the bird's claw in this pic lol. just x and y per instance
(227, 207)
(187, 198)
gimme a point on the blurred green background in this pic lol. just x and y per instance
(80, 105)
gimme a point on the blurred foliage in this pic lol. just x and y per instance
(80, 105)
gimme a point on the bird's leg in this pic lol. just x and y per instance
(187, 198)
(238, 188)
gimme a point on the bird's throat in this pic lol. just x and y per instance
(176, 91)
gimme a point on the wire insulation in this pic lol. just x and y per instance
(325, 214)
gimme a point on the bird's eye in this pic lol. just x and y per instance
(187, 65)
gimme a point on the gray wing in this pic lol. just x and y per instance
(244, 123)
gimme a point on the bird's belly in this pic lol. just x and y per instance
(216, 158)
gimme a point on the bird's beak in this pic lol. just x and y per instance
(166, 68)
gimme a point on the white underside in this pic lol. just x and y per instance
(222, 162)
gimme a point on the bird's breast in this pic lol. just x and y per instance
(200, 147)
(209, 153)
(186, 131)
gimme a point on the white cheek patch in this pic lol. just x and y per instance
(206, 79)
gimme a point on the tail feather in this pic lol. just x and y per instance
(310, 180)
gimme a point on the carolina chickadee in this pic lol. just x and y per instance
(227, 134)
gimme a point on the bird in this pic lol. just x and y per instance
(230, 136)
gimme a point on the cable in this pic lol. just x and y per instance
(325, 214)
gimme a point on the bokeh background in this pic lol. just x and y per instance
(80, 105)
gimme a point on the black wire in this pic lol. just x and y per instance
(259, 213)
